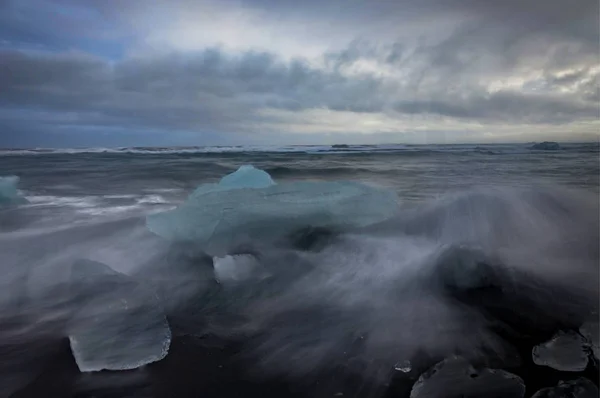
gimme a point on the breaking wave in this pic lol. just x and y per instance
(469, 274)
(415, 150)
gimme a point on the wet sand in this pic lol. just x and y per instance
(202, 368)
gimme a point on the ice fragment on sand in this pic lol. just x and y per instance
(237, 268)
(591, 332)
(455, 377)
(580, 388)
(247, 176)
(403, 366)
(9, 193)
(566, 352)
(247, 205)
(120, 324)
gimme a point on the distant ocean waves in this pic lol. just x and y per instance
(339, 149)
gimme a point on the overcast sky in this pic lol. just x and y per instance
(223, 72)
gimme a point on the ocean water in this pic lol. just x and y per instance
(362, 301)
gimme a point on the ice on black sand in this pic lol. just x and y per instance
(565, 351)
(120, 323)
(248, 205)
(580, 388)
(237, 268)
(403, 366)
(456, 377)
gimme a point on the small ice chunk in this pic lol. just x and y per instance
(455, 377)
(237, 268)
(403, 366)
(566, 351)
(9, 193)
(247, 205)
(591, 332)
(580, 388)
(120, 323)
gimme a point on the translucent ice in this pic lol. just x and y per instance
(455, 377)
(9, 193)
(247, 205)
(231, 269)
(120, 323)
(403, 366)
(246, 176)
(566, 351)
(580, 388)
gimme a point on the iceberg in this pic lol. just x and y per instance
(456, 377)
(120, 323)
(248, 205)
(9, 193)
(566, 351)
(579, 388)
(246, 176)
(546, 146)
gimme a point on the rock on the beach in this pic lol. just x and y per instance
(580, 388)
(120, 323)
(591, 332)
(566, 351)
(546, 146)
(461, 268)
(455, 377)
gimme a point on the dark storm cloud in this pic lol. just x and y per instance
(549, 15)
(207, 90)
(58, 25)
(215, 90)
(531, 61)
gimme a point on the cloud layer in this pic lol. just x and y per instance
(122, 73)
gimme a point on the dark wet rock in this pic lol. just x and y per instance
(580, 388)
(456, 377)
(566, 351)
(461, 269)
(590, 331)
(546, 146)
(311, 238)
(521, 306)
